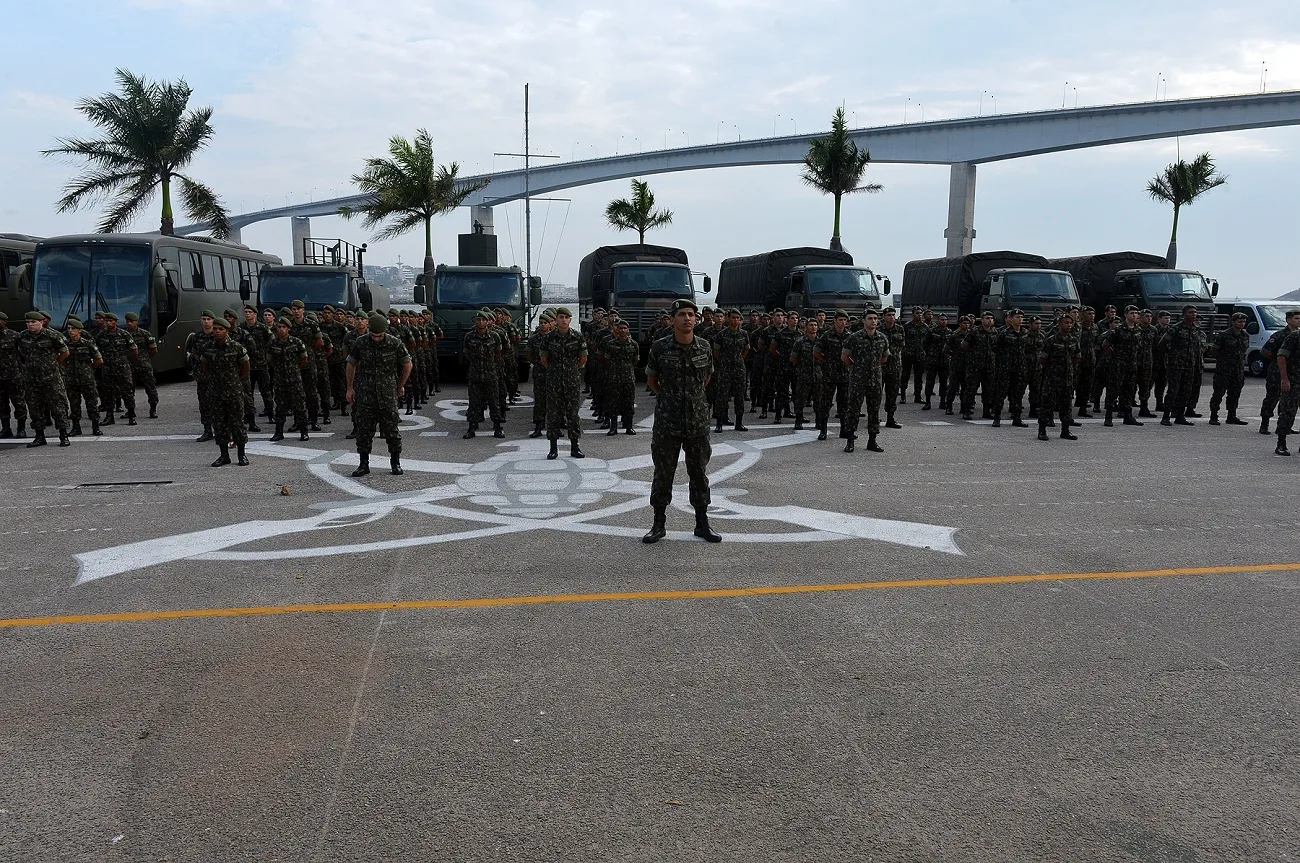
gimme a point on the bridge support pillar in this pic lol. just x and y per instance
(961, 209)
(234, 235)
(480, 216)
(300, 226)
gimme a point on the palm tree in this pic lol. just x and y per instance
(149, 138)
(834, 166)
(1181, 184)
(407, 190)
(639, 213)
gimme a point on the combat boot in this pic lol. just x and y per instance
(1263, 426)
(6, 430)
(110, 419)
(313, 426)
(1109, 421)
(38, 440)
(395, 463)
(94, 427)
(926, 407)
(1280, 450)
(575, 451)
(1129, 420)
(224, 458)
(1192, 414)
(325, 417)
(613, 429)
(798, 424)
(302, 434)
(1214, 418)
(717, 428)
(206, 436)
(1018, 422)
(252, 424)
(76, 428)
(1083, 412)
(997, 420)
(702, 527)
(130, 420)
(821, 432)
(497, 430)
(279, 432)
(1234, 420)
(848, 447)
(1042, 429)
(1180, 419)
(871, 443)
(627, 426)
(967, 415)
(240, 458)
(22, 430)
(1066, 434)
(554, 452)
(890, 423)
(343, 409)
(63, 438)
(1164, 420)
(740, 426)
(363, 465)
(657, 530)
(1033, 413)
(1145, 413)
(948, 411)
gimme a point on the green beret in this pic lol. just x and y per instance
(231, 313)
(841, 314)
(547, 315)
(597, 311)
(1146, 311)
(328, 308)
(778, 311)
(678, 305)
(1086, 309)
(34, 316)
(1163, 314)
(733, 312)
(562, 311)
(1239, 316)
(75, 324)
(311, 316)
(109, 316)
(285, 321)
(207, 313)
(890, 310)
(100, 313)
(298, 304)
(378, 324)
(1188, 308)
(284, 310)
(250, 307)
(1130, 308)
(1033, 318)
(133, 317)
(220, 324)
(3, 316)
(1014, 312)
(623, 324)
(487, 316)
(45, 316)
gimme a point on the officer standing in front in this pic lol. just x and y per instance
(378, 366)
(678, 370)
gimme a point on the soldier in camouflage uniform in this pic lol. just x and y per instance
(42, 351)
(436, 334)
(936, 364)
(118, 350)
(1121, 346)
(1059, 357)
(564, 353)
(256, 338)
(305, 331)
(1010, 364)
(1186, 351)
(195, 344)
(678, 370)
(835, 375)
(730, 354)
(1034, 338)
(225, 364)
(758, 373)
(1088, 337)
(320, 355)
(482, 354)
(955, 350)
(1272, 377)
(79, 377)
(783, 376)
(913, 355)
(1288, 366)
(623, 354)
(336, 331)
(11, 383)
(771, 362)
(286, 357)
(1101, 375)
(865, 353)
(891, 374)
(377, 371)
(1229, 352)
(533, 353)
(981, 348)
(142, 374)
(1160, 360)
(809, 377)
(1145, 363)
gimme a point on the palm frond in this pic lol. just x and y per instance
(125, 207)
(201, 203)
(637, 213)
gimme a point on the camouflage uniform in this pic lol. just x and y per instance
(195, 343)
(285, 358)
(1060, 357)
(1010, 360)
(226, 390)
(956, 352)
(1159, 365)
(256, 338)
(1231, 347)
(335, 363)
(783, 373)
(321, 359)
(563, 352)
(534, 353)
(913, 359)
(1186, 351)
(891, 373)
(1145, 365)
(766, 339)
(47, 401)
(79, 380)
(1088, 336)
(377, 371)
(436, 334)
(869, 352)
(835, 375)
(730, 351)
(480, 352)
(809, 380)
(117, 347)
(1122, 346)
(622, 357)
(310, 335)
(681, 419)
(981, 348)
(936, 364)
(1033, 370)
(142, 373)
(1289, 401)
(11, 382)
(1272, 378)
(758, 369)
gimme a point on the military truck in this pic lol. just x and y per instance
(1133, 278)
(459, 292)
(799, 280)
(16, 254)
(330, 275)
(640, 280)
(988, 282)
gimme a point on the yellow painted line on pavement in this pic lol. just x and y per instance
(643, 596)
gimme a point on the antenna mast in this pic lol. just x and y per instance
(528, 201)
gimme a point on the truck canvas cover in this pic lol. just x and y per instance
(607, 256)
(957, 281)
(1094, 275)
(759, 279)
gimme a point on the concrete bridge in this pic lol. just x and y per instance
(963, 144)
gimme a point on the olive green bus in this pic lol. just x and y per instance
(167, 281)
(16, 252)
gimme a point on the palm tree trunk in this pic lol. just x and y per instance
(168, 226)
(835, 234)
(1171, 256)
(429, 265)
(641, 235)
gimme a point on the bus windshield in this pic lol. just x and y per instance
(856, 283)
(670, 282)
(478, 289)
(83, 279)
(1179, 286)
(1041, 286)
(1275, 316)
(316, 290)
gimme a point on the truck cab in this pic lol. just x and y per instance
(459, 292)
(1170, 290)
(1033, 291)
(822, 286)
(331, 275)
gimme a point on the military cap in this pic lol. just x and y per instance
(734, 312)
(1085, 308)
(547, 315)
(378, 323)
(1163, 314)
(487, 316)
(207, 313)
(220, 324)
(597, 311)
(75, 324)
(3, 316)
(1014, 312)
(328, 308)
(250, 307)
(987, 315)
(283, 322)
(1033, 318)
(890, 310)
(394, 313)
(99, 314)
(870, 311)
(132, 317)
(562, 312)
(1110, 308)
(34, 316)
(1292, 312)
(678, 305)
(1188, 307)
(1146, 311)
(45, 316)
(778, 311)
(230, 313)
(917, 309)
(110, 316)
(1131, 308)
(842, 314)
(298, 304)
(618, 324)
(1239, 316)
(311, 316)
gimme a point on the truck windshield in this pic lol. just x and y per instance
(84, 279)
(653, 282)
(1041, 286)
(1183, 286)
(314, 289)
(1274, 316)
(857, 283)
(478, 289)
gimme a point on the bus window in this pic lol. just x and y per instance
(191, 272)
(169, 255)
(232, 268)
(8, 258)
(250, 270)
(212, 273)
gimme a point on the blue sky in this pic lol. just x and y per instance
(303, 92)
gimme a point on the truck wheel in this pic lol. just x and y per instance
(1256, 364)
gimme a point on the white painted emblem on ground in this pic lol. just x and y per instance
(513, 491)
